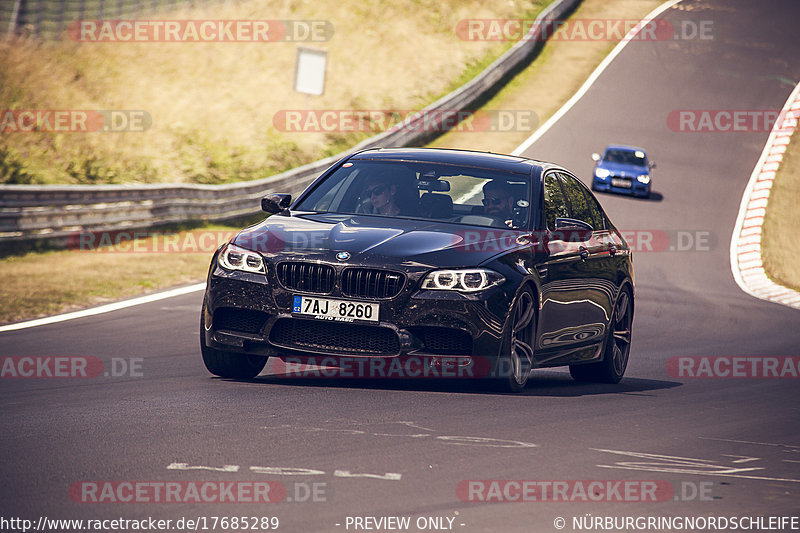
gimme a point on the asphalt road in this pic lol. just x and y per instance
(728, 447)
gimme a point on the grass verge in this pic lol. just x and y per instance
(782, 261)
(214, 108)
(48, 282)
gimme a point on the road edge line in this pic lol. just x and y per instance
(527, 143)
(107, 308)
(746, 260)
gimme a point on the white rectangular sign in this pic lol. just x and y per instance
(309, 74)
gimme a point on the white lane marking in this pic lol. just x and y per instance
(388, 476)
(721, 474)
(750, 442)
(455, 440)
(745, 252)
(414, 425)
(185, 466)
(684, 465)
(287, 471)
(742, 458)
(107, 308)
(486, 441)
(592, 78)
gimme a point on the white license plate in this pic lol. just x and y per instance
(625, 184)
(336, 310)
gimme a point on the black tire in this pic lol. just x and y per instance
(228, 364)
(515, 362)
(617, 346)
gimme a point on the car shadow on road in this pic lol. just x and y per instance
(551, 384)
(562, 385)
(655, 196)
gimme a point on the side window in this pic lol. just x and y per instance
(594, 209)
(579, 206)
(554, 204)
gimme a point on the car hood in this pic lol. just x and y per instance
(372, 240)
(624, 169)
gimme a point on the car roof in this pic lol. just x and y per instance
(625, 147)
(490, 160)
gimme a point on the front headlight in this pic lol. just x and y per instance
(643, 178)
(233, 257)
(464, 280)
(601, 173)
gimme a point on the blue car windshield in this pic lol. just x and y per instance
(628, 157)
(422, 190)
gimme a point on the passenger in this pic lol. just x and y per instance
(498, 200)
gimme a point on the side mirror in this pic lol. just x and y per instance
(276, 203)
(595, 157)
(572, 230)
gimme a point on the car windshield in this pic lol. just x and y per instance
(421, 190)
(628, 157)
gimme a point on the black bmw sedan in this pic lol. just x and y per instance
(492, 263)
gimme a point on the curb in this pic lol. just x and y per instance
(746, 261)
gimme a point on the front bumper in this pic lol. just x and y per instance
(637, 188)
(252, 314)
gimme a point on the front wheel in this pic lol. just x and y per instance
(617, 346)
(228, 364)
(516, 358)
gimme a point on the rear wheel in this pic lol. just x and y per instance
(617, 346)
(516, 360)
(228, 364)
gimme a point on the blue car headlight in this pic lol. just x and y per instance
(643, 178)
(601, 173)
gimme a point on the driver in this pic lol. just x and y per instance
(498, 200)
(381, 194)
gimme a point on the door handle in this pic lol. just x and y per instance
(584, 252)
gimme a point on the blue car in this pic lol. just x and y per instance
(622, 169)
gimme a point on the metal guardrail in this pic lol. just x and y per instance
(45, 212)
(50, 18)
